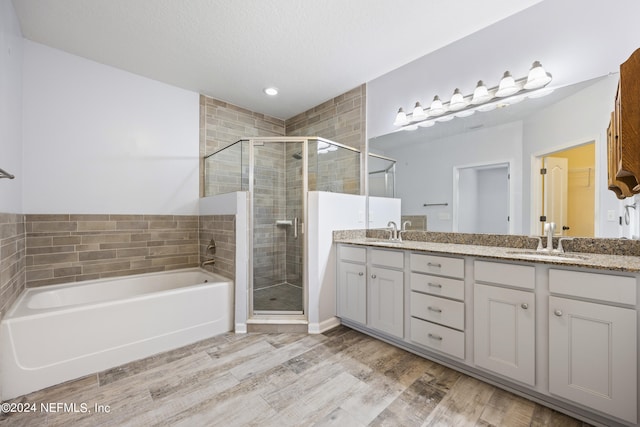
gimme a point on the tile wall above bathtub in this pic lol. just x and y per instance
(67, 248)
(12, 258)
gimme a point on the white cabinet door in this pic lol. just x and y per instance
(593, 356)
(352, 291)
(504, 336)
(387, 300)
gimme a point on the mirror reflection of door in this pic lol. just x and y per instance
(554, 184)
(483, 199)
(568, 191)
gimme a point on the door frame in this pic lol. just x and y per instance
(455, 209)
(535, 193)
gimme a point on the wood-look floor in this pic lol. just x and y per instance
(340, 378)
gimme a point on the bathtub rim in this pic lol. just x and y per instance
(9, 315)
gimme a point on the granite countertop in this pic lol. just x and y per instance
(570, 259)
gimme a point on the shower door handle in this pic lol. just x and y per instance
(295, 227)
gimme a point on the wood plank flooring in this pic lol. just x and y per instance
(340, 378)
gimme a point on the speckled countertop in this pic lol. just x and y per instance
(513, 248)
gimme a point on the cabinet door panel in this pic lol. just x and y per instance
(593, 356)
(352, 292)
(387, 300)
(504, 338)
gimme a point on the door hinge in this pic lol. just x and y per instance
(543, 218)
(543, 171)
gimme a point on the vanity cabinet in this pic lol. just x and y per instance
(352, 284)
(592, 345)
(386, 285)
(437, 303)
(370, 288)
(504, 320)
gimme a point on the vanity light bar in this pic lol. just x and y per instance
(509, 91)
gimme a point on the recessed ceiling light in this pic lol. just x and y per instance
(271, 91)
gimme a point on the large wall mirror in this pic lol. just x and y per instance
(483, 173)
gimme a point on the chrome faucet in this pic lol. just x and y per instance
(207, 262)
(210, 246)
(394, 230)
(404, 228)
(549, 229)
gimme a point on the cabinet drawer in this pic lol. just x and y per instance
(438, 310)
(603, 287)
(353, 254)
(438, 337)
(444, 266)
(518, 276)
(393, 259)
(441, 286)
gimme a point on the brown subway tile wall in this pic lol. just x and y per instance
(341, 119)
(12, 258)
(222, 229)
(67, 248)
(222, 124)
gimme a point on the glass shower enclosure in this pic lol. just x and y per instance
(278, 173)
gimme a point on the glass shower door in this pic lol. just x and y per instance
(277, 216)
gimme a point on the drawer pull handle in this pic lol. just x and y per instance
(434, 309)
(557, 312)
(373, 276)
(435, 337)
(434, 285)
(434, 264)
(361, 274)
(524, 305)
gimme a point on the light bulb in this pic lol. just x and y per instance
(507, 86)
(401, 118)
(537, 77)
(436, 107)
(457, 101)
(480, 94)
(418, 113)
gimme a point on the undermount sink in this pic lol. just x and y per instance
(545, 256)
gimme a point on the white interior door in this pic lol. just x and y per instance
(555, 192)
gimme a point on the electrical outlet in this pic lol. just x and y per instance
(444, 216)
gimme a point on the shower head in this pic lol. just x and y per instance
(297, 155)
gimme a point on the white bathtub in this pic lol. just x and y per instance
(57, 333)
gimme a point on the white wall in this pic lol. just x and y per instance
(327, 212)
(101, 140)
(424, 172)
(11, 52)
(574, 39)
(382, 210)
(577, 119)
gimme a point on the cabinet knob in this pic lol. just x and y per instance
(524, 305)
(361, 274)
(557, 312)
(373, 276)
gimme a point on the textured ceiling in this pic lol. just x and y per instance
(231, 50)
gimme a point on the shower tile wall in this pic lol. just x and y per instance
(12, 258)
(341, 119)
(222, 228)
(67, 248)
(222, 124)
(269, 244)
(294, 209)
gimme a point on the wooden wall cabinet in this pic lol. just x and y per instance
(623, 134)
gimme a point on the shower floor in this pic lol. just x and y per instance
(280, 297)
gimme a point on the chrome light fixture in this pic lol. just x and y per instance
(509, 91)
